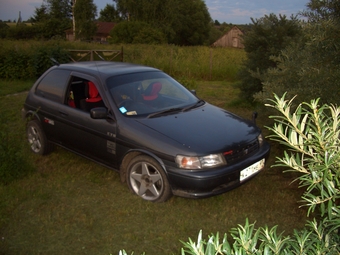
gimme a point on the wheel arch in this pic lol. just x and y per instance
(134, 153)
(31, 115)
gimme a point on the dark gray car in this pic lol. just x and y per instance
(139, 121)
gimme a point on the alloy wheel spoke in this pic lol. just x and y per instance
(155, 177)
(145, 169)
(142, 189)
(136, 176)
(153, 189)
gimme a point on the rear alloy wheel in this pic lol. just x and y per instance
(146, 178)
(37, 138)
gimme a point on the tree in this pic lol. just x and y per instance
(52, 18)
(136, 32)
(224, 27)
(41, 14)
(322, 10)
(184, 22)
(3, 29)
(59, 9)
(109, 14)
(310, 68)
(267, 37)
(84, 13)
(191, 23)
(214, 34)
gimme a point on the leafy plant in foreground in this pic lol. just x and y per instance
(311, 134)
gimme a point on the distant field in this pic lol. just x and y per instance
(14, 24)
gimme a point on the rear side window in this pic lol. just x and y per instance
(53, 85)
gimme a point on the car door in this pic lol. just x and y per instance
(93, 138)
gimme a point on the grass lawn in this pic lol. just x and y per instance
(70, 205)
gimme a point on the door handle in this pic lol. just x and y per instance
(63, 114)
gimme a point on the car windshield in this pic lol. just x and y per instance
(149, 94)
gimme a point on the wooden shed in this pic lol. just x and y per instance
(102, 33)
(233, 38)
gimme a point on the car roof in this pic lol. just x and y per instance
(106, 68)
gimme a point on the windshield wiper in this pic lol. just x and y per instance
(198, 103)
(164, 112)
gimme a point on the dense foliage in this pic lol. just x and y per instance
(183, 22)
(136, 32)
(267, 37)
(84, 16)
(180, 22)
(109, 14)
(51, 19)
(3, 29)
(310, 68)
(29, 63)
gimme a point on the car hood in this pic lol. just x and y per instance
(207, 129)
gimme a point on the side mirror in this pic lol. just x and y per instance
(98, 113)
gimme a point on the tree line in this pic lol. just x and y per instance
(294, 56)
(180, 22)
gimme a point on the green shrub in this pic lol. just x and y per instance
(28, 60)
(21, 32)
(309, 68)
(267, 37)
(3, 29)
(136, 32)
(40, 60)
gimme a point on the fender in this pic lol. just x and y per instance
(29, 115)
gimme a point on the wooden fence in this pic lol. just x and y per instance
(91, 55)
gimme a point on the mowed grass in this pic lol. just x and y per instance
(70, 205)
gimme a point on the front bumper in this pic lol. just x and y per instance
(210, 182)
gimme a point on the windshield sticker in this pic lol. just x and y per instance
(131, 113)
(122, 110)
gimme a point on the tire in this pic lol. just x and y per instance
(37, 138)
(146, 178)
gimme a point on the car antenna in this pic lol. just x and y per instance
(55, 62)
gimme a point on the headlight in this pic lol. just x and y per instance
(260, 140)
(208, 161)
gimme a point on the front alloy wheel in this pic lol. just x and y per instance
(146, 178)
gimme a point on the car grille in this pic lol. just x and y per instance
(242, 152)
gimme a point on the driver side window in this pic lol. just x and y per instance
(84, 95)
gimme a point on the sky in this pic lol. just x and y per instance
(229, 11)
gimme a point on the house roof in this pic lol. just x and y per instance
(104, 27)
